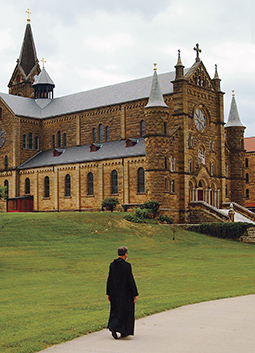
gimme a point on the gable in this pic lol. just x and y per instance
(198, 76)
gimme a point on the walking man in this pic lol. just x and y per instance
(122, 294)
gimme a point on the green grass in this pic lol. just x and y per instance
(53, 270)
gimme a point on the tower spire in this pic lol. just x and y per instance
(27, 65)
(179, 68)
(156, 98)
(234, 118)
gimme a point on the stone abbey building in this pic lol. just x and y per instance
(156, 138)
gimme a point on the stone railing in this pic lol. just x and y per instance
(240, 209)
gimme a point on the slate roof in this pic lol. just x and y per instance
(80, 154)
(43, 79)
(156, 98)
(234, 118)
(96, 98)
(28, 58)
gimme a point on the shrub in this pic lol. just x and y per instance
(153, 206)
(164, 218)
(222, 230)
(110, 203)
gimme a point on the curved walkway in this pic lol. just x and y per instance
(219, 326)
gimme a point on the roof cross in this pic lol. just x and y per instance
(196, 48)
(28, 15)
(44, 62)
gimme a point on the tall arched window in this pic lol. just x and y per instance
(37, 143)
(6, 184)
(165, 128)
(27, 186)
(167, 183)
(59, 139)
(1, 114)
(53, 141)
(114, 182)
(67, 185)
(246, 163)
(247, 178)
(30, 141)
(107, 133)
(94, 135)
(6, 162)
(172, 186)
(46, 186)
(140, 180)
(64, 139)
(24, 141)
(142, 128)
(101, 134)
(90, 184)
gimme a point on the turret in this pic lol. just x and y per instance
(235, 142)
(43, 85)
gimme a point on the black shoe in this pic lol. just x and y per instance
(123, 336)
(114, 333)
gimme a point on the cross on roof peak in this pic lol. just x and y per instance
(28, 15)
(198, 50)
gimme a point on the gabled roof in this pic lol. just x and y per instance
(105, 96)
(249, 144)
(80, 154)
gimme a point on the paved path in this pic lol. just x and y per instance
(220, 326)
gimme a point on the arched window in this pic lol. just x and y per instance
(94, 135)
(6, 184)
(100, 133)
(53, 141)
(167, 185)
(59, 139)
(24, 141)
(1, 114)
(114, 182)
(172, 186)
(142, 128)
(246, 163)
(64, 139)
(6, 162)
(107, 133)
(247, 193)
(37, 143)
(247, 178)
(190, 166)
(27, 186)
(67, 185)
(165, 128)
(90, 184)
(212, 169)
(46, 186)
(166, 163)
(140, 180)
(30, 141)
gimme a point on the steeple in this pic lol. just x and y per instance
(234, 118)
(156, 98)
(27, 65)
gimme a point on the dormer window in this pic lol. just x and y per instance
(57, 152)
(95, 147)
(131, 142)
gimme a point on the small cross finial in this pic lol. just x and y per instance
(155, 66)
(196, 48)
(233, 93)
(44, 62)
(28, 15)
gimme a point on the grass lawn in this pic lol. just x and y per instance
(54, 266)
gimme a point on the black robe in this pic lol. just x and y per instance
(121, 289)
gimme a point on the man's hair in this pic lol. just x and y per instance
(122, 250)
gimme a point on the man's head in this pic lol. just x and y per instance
(123, 251)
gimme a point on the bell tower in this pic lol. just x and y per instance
(27, 66)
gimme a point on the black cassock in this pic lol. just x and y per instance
(121, 289)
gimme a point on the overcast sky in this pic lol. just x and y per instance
(89, 44)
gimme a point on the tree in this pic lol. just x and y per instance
(2, 192)
(110, 203)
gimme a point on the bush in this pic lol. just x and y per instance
(168, 220)
(110, 203)
(222, 230)
(153, 206)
